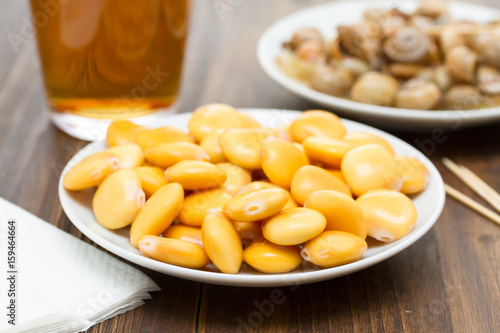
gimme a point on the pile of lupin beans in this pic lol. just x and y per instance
(231, 191)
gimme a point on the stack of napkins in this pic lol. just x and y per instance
(51, 281)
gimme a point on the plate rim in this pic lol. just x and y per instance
(368, 112)
(249, 280)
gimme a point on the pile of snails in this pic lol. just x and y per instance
(422, 60)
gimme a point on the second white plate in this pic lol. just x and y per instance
(326, 18)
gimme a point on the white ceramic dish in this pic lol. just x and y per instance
(77, 206)
(326, 18)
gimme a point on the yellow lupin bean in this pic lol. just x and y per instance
(263, 184)
(213, 117)
(267, 257)
(340, 210)
(122, 132)
(210, 144)
(184, 232)
(241, 146)
(415, 174)
(248, 231)
(256, 185)
(197, 204)
(316, 123)
(158, 212)
(256, 205)
(153, 137)
(152, 178)
(249, 121)
(337, 173)
(284, 132)
(294, 226)
(280, 160)
(90, 171)
(129, 154)
(309, 179)
(196, 175)
(370, 167)
(360, 138)
(334, 248)
(167, 154)
(174, 251)
(222, 243)
(389, 214)
(236, 176)
(118, 199)
(326, 150)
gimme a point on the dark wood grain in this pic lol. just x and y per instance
(447, 281)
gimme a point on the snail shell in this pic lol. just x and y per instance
(408, 45)
(376, 14)
(311, 51)
(461, 62)
(488, 79)
(442, 77)
(362, 41)
(375, 88)
(355, 65)
(332, 81)
(438, 74)
(421, 22)
(404, 70)
(491, 52)
(352, 39)
(432, 8)
(303, 35)
(449, 38)
(487, 45)
(418, 94)
(463, 97)
(295, 67)
(335, 50)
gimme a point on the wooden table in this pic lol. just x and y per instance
(447, 281)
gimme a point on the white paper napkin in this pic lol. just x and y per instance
(57, 282)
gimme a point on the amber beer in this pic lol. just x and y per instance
(111, 58)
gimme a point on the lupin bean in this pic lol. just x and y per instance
(196, 175)
(389, 214)
(294, 226)
(316, 123)
(370, 167)
(309, 179)
(415, 174)
(334, 248)
(340, 210)
(222, 243)
(152, 178)
(122, 132)
(158, 212)
(256, 205)
(153, 137)
(168, 154)
(241, 146)
(197, 204)
(267, 257)
(174, 251)
(90, 171)
(184, 232)
(118, 199)
(130, 155)
(280, 160)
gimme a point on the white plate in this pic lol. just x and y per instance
(326, 18)
(78, 208)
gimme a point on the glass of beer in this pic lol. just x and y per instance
(110, 59)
